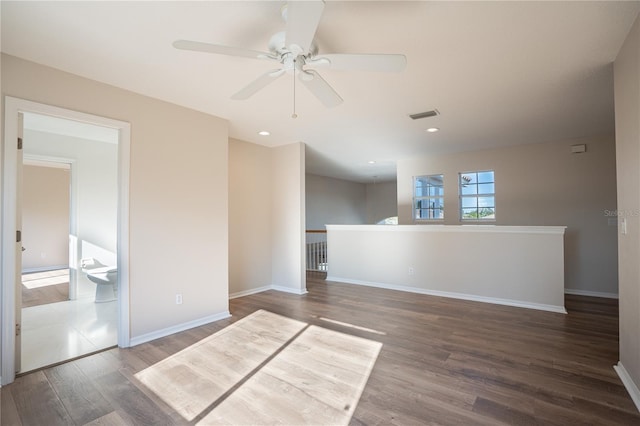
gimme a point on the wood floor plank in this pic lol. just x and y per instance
(442, 362)
(111, 419)
(8, 410)
(43, 295)
(78, 394)
(131, 403)
(37, 402)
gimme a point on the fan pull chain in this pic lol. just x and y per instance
(294, 115)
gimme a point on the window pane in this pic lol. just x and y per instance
(467, 178)
(435, 180)
(437, 203)
(469, 190)
(469, 213)
(468, 202)
(486, 202)
(486, 188)
(438, 214)
(485, 177)
(486, 213)
(434, 191)
(421, 191)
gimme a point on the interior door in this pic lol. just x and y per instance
(19, 249)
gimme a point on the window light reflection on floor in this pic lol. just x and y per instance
(357, 327)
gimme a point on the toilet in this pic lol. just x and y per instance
(105, 278)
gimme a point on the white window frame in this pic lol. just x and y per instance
(477, 195)
(427, 197)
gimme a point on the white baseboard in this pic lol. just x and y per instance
(177, 328)
(289, 290)
(628, 383)
(578, 292)
(249, 292)
(463, 296)
(44, 269)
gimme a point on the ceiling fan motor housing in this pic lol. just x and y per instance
(277, 46)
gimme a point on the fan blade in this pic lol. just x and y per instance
(222, 50)
(364, 62)
(303, 18)
(320, 88)
(259, 83)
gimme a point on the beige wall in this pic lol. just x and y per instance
(517, 266)
(266, 218)
(178, 213)
(250, 210)
(537, 185)
(342, 202)
(45, 217)
(288, 218)
(627, 106)
(382, 201)
(334, 201)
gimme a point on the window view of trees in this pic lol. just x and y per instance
(477, 195)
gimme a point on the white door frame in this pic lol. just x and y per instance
(12, 107)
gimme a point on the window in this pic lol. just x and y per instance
(428, 197)
(477, 196)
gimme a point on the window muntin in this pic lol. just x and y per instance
(428, 197)
(477, 196)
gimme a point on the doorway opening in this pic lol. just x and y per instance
(96, 236)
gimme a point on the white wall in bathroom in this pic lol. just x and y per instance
(96, 165)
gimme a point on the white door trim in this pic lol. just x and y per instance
(13, 106)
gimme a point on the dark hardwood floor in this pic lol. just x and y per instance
(443, 362)
(44, 295)
(41, 288)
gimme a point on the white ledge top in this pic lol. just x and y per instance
(559, 230)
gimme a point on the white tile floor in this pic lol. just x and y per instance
(59, 331)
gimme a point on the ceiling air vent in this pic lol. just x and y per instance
(424, 114)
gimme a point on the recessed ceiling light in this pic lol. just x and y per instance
(432, 129)
(264, 133)
(371, 162)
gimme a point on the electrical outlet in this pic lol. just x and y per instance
(410, 271)
(179, 299)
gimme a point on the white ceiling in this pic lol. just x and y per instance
(500, 73)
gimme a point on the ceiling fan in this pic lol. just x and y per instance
(298, 54)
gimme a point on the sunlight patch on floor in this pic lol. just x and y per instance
(266, 368)
(194, 378)
(316, 380)
(43, 279)
(349, 325)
